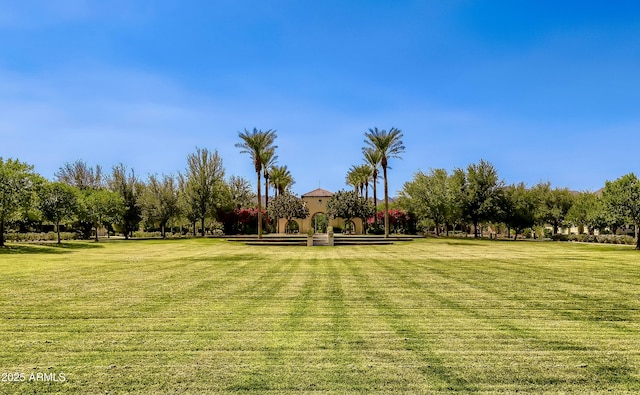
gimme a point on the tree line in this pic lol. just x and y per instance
(202, 195)
(120, 201)
(476, 196)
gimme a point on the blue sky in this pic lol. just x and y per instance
(544, 90)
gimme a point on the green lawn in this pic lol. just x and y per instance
(429, 316)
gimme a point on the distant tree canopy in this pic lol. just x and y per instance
(588, 211)
(433, 196)
(517, 207)
(18, 186)
(348, 205)
(203, 186)
(101, 207)
(85, 199)
(622, 199)
(58, 202)
(80, 175)
(125, 183)
(554, 204)
(477, 195)
(160, 201)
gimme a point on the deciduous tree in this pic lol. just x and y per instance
(240, 192)
(58, 202)
(427, 196)
(203, 184)
(554, 204)
(348, 205)
(588, 211)
(159, 201)
(101, 207)
(287, 206)
(18, 184)
(129, 187)
(622, 198)
(518, 208)
(80, 175)
(481, 192)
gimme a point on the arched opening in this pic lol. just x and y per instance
(319, 222)
(292, 227)
(349, 227)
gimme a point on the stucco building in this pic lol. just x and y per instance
(316, 202)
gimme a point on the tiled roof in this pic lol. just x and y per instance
(318, 193)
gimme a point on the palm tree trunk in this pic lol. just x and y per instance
(386, 202)
(259, 207)
(375, 201)
(266, 197)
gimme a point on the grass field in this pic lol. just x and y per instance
(429, 316)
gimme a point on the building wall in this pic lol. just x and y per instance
(318, 204)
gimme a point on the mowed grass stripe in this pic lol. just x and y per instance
(543, 339)
(408, 349)
(206, 316)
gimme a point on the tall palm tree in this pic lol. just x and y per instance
(256, 143)
(373, 157)
(390, 146)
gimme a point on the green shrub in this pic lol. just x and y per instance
(145, 235)
(559, 237)
(602, 238)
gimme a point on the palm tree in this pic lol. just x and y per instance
(256, 143)
(367, 175)
(390, 146)
(269, 159)
(373, 157)
(353, 179)
(358, 177)
(281, 179)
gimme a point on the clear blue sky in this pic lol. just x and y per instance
(544, 90)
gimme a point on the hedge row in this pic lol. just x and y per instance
(39, 236)
(608, 239)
